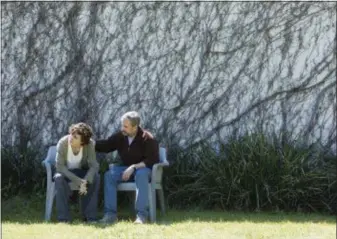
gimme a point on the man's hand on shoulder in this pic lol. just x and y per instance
(147, 135)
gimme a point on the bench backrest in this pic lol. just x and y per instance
(51, 156)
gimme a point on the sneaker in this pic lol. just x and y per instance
(140, 220)
(107, 219)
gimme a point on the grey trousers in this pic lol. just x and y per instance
(88, 201)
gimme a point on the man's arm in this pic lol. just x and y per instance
(151, 154)
(139, 165)
(108, 145)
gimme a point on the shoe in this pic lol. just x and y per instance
(140, 220)
(107, 219)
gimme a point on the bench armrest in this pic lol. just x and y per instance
(157, 172)
(49, 172)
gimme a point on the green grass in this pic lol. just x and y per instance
(23, 218)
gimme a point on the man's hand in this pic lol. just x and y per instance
(147, 135)
(128, 172)
(83, 187)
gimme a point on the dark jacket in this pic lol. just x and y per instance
(140, 150)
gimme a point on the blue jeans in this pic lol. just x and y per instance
(114, 176)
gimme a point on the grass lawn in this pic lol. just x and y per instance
(22, 218)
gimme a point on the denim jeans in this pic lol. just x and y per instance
(88, 201)
(114, 176)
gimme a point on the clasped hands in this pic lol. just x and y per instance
(83, 187)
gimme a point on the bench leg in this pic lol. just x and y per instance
(152, 204)
(161, 200)
(49, 201)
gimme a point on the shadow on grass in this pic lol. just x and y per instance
(253, 217)
(31, 211)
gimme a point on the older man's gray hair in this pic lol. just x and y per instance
(133, 117)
